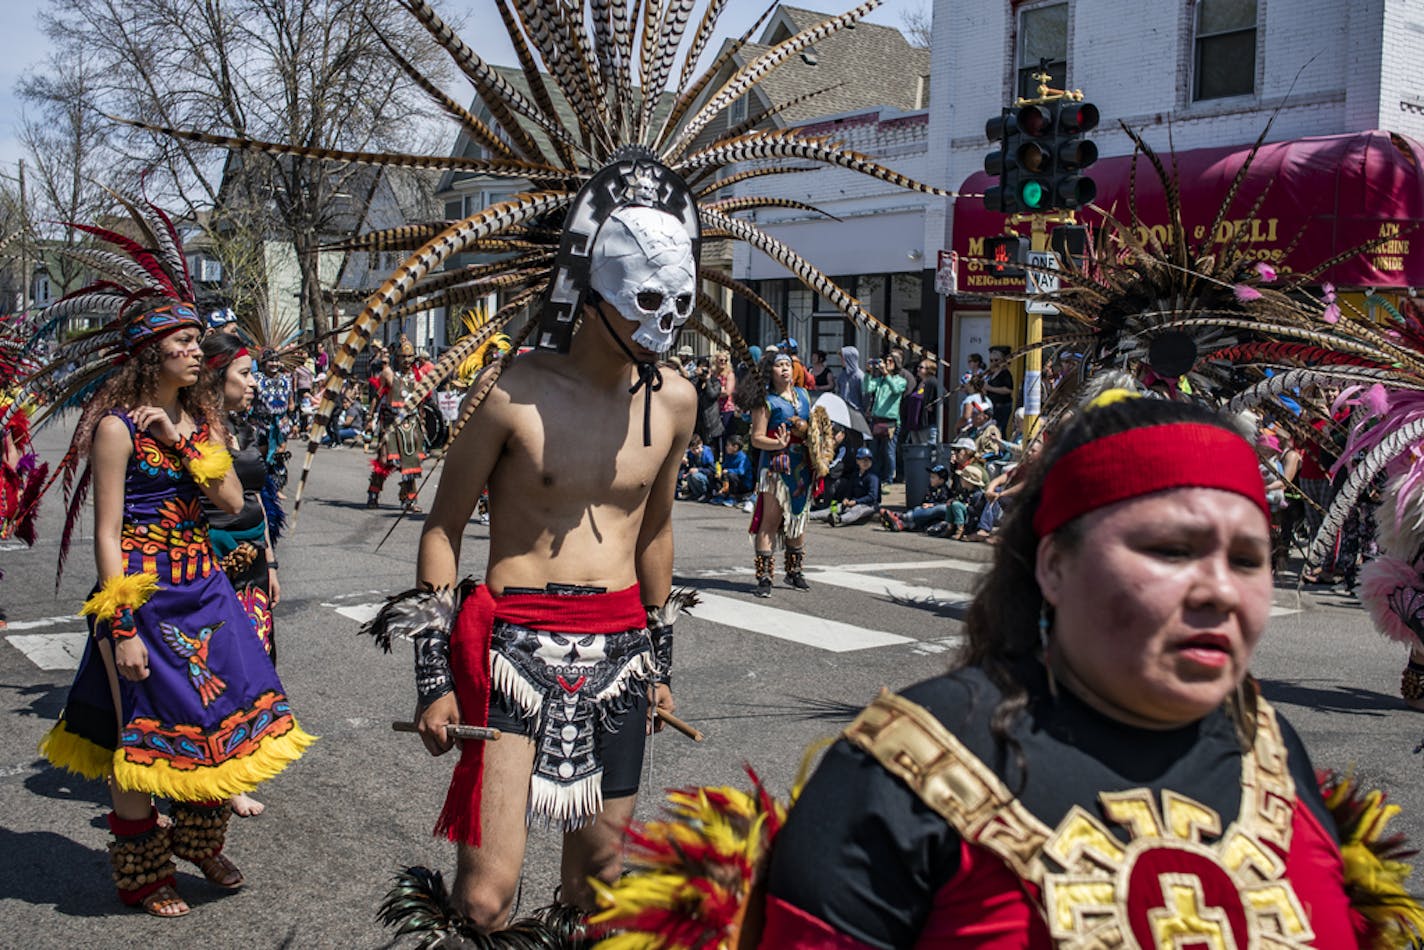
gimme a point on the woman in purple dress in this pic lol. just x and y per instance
(174, 696)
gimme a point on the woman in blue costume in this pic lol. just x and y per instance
(175, 696)
(783, 505)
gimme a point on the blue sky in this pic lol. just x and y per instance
(26, 45)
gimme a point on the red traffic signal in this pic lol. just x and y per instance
(1004, 253)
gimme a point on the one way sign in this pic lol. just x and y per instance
(1040, 278)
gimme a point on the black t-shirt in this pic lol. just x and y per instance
(1004, 379)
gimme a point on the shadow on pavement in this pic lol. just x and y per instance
(1343, 699)
(58, 873)
(40, 700)
(50, 782)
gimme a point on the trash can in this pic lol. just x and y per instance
(918, 459)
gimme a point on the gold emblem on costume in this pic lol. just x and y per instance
(1167, 889)
(1164, 889)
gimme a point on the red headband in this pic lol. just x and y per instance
(1146, 460)
(217, 359)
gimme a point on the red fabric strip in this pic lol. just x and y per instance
(612, 612)
(129, 827)
(1142, 461)
(788, 927)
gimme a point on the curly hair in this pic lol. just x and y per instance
(1002, 621)
(136, 384)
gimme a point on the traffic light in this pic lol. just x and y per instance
(1072, 154)
(1004, 253)
(1070, 243)
(1023, 163)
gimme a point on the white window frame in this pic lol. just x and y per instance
(1020, 39)
(1197, 36)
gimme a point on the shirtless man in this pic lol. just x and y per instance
(582, 488)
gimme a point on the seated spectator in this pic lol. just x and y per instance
(999, 497)
(861, 492)
(737, 473)
(346, 427)
(698, 469)
(975, 398)
(939, 505)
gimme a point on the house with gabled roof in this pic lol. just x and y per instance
(868, 87)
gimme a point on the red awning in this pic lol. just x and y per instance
(1326, 195)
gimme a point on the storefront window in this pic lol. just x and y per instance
(1043, 46)
(1225, 61)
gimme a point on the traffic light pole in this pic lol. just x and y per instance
(1033, 359)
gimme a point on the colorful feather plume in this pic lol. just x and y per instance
(1376, 863)
(691, 874)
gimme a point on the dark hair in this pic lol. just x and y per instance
(748, 395)
(1002, 622)
(219, 350)
(135, 384)
(976, 358)
(734, 440)
(819, 354)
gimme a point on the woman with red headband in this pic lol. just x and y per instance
(174, 697)
(1099, 769)
(242, 542)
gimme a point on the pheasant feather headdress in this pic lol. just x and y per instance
(590, 59)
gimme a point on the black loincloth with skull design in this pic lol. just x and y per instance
(569, 689)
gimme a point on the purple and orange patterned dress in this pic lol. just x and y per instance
(212, 718)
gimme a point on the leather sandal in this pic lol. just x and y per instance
(165, 902)
(219, 870)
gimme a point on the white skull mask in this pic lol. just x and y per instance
(642, 264)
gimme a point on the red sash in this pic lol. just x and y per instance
(612, 612)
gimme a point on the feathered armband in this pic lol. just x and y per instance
(424, 615)
(660, 622)
(1376, 864)
(115, 602)
(207, 462)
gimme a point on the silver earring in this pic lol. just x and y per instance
(1044, 623)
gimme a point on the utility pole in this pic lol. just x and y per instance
(24, 246)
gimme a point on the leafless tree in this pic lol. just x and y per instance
(68, 163)
(307, 71)
(917, 23)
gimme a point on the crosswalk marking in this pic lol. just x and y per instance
(800, 628)
(51, 651)
(361, 613)
(62, 649)
(43, 622)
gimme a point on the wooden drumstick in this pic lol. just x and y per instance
(454, 731)
(685, 728)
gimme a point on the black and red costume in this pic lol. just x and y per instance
(924, 831)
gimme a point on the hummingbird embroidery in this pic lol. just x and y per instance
(195, 649)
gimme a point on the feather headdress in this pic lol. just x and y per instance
(1174, 309)
(142, 292)
(589, 59)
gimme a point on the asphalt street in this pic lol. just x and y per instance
(762, 680)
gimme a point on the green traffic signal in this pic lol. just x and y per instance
(1032, 194)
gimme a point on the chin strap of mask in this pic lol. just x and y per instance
(650, 378)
